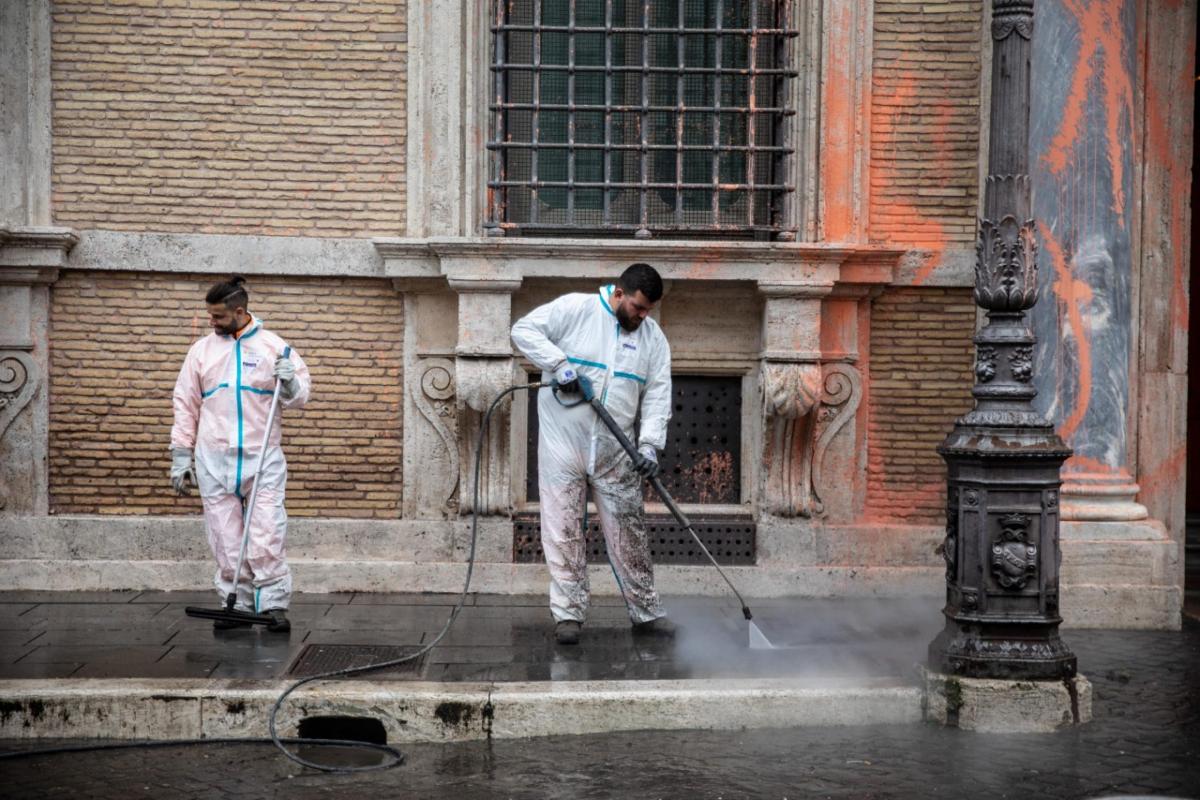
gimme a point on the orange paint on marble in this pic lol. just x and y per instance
(1072, 294)
(1100, 47)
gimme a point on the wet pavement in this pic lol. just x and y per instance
(495, 638)
(1144, 740)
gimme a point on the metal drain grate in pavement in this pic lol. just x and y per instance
(317, 658)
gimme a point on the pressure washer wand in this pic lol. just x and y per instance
(585, 387)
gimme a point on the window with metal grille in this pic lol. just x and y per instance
(640, 116)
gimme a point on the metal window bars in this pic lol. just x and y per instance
(643, 116)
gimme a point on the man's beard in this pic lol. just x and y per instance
(628, 322)
(227, 330)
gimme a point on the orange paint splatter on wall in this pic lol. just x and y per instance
(1101, 50)
(923, 233)
(1072, 294)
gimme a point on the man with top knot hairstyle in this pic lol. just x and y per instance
(222, 398)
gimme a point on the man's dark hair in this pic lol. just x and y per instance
(642, 278)
(231, 292)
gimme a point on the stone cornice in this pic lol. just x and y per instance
(426, 264)
(31, 255)
(519, 258)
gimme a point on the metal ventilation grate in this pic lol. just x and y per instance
(315, 659)
(730, 540)
(702, 462)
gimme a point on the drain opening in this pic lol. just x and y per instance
(354, 729)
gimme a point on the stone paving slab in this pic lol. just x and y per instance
(495, 638)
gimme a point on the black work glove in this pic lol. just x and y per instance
(646, 463)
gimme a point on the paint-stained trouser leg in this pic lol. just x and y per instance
(562, 497)
(618, 495)
(223, 525)
(266, 553)
(266, 581)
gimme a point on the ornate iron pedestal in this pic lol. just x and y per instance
(1003, 458)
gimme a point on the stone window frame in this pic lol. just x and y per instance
(450, 88)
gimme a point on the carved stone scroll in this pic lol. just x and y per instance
(839, 403)
(433, 395)
(19, 380)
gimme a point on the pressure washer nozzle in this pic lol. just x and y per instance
(746, 613)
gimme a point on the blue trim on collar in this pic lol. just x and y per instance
(604, 300)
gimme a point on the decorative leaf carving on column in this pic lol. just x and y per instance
(433, 395)
(19, 378)
(985, 363)
(1006, 264)
(1020, 361)
(1012, 15)
(839, 403)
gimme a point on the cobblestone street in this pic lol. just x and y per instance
(1145, 739)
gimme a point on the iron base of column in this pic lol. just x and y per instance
(1011, 652)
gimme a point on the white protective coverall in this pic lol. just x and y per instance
(630, 372)
(222, 398)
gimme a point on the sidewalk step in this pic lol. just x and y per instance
(433, 712)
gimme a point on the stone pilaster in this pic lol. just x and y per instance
(485, 367)
(29, 262)
(1083, 181)
(30, 254)
(25, 112)
(792, 384)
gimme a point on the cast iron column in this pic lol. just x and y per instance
(1003, 458)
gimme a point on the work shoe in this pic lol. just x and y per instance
(279, 621)
(229, 624)
(661, 628)
(567, 631)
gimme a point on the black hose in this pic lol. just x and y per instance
(275, 738)
(441, 634)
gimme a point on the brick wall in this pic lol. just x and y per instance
(230, 117)
(118, 340)
(925, 122)
(920, 382)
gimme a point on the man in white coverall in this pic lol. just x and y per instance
(222, 398)
(608, 338)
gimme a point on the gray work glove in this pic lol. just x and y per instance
(183, 475)
(285, 371)
(646, 463)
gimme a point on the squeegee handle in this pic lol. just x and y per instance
(231, 598)
(669, 501)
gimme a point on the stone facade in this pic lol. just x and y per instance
(299, 144)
